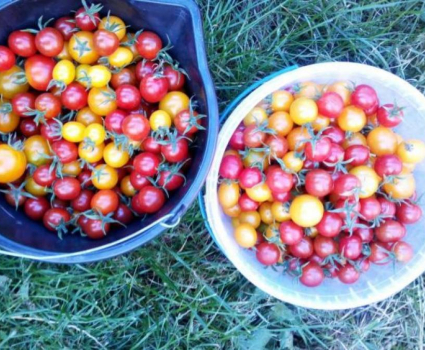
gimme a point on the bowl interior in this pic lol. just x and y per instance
(173, 21)
(379, 282)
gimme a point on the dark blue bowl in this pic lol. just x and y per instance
(179, 20)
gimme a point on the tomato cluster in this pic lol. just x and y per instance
(317, 182)
(95, 124)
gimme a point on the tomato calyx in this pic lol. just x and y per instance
(84, 79)
(193, 119)
(97, 215)
(121, 141)
(173, 170)
(20, 78)
(112, 27)
(16, 193)
(110, 96)
(298, 88)
(39, 116)
(172, 138)
(58, 84)
(132, 38)
(81, 46)
(339, 166)
(40, 25)
(90, 11)
(5, 107)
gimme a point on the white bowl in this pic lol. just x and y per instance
(379, 282)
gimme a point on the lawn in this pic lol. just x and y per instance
(180, 292)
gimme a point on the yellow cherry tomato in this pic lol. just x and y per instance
(297, 138)
(343, 89)
(64, 54)
(9, 121)
(280, 211)
(90, 153)
(115, 156)
(102, 100)
(281, 122)
(307, 89)
(266, 214)
(86, 117)
(259, 193)
(369, 180)
(10, 84)
(34, 188)
(245, 235)
(303, 110)
(411, 151)
(95, 133)
(382, 141)
(99, 75)
(160, 120)
(401, 187)
(228, 194)
(64, 72)
(104, 177)
(256, 116)
(174, 102)
(233, 212)
(355, 138)
(281, 101)
(82, 75)
(81, 48)
(293, 162)
(72, 168)
(272, 231)
(37, 150)
(320, 123)
(13, 164)
(235, 222)
(126, 187)
(255, 158)
(250, 217)
(73, 131)
(115, 25)
(306, 210)
(352, 119)
(121, 57)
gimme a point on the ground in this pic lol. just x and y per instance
(180, 292)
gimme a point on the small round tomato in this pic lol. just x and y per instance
(12, 164)
(364, 97)
(44, 175)
(290, 233)
(352, 119)
(81, 48)
(247, 204)
(318, 151)
(136, 127)
(74, 97)
(86, 117)
(357, 155)
(143, 68)
(35, 189)
(252, 218)
(35, 208)
(256, 116)
(170, 180)
(280, 211)
(105, 42)
(260, 192)
(37, 150)
(7, 58)
(176, 151)
(55, 217)
(114, 24)
(403, 251)
(369, 180)
(253, 137)
(408, 213)
(330, 104)
(379, 255)
(146, 164)
(10, 85)
(114, 156)
(94, 228)
(49, 104)
(390, 231)
(330, 225)
(382, 141)
(72, 168)
(160, 120)
(248, 177)
(325, 246)
(49, 42)
(102, 100)
(67, 188)
(123, 214)
(128, 97)
(318, 182)
(148, 45)
(298, 138)
(121, 57)
(348, 274)
(411, 151)
(81, 203)
(51, 130)
(401, 187)
(174, 102)
(281, 122)
(303, 110)
(268, 253)
(104, 177)
(306, 204)
(126, 187)
(389, 115)
(66, 26)
(95, 134)
(151, 199)
(28, 127)
(303, 249)
(343, 89)
(228, 194)
(245, 235)
(39, 71)
(73, 131)
(350, 247)
(312, 275)
(9, 121)
(370, 208)
(153, 88)
(125, 76)
(307, 89)
(22, 103)
(346, 185)
(138, 181)
(281, 100)
(64, 72)
(176, 79)
(22, 43)
(87, 18)
(278, 146)
(90, 153)
(278, 180)
(105, 202)
(231, 167)
(387, 165)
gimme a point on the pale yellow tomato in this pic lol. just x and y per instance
(293, 161)
(160, 120)
(228, 194)
(73, 131)
(266, 214)
(95, 133)
(245, 235)
(280, 211)
(411, 151)
(401, 186)
(121, 57)
(281, 101)
(369, 180)
(250, 217)
(306, 210)
(256, 116)
(382, 141)
(99, 75)
(352, 119)
(259, 193)
(303, 110)
(115, 156)
(174, 102)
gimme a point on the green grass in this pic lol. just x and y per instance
(180, 292)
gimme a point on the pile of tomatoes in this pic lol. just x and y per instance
(95, 125)
(317, 182)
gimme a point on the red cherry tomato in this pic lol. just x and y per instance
(44, 176)
(55, 217)
(81, 203)
(148, 45)
(144, 68)
(278, 180)
(379, 254)
(357, 155)
(29, 127)
(318, 182)
(22, 43)
(150, 199)
(312, 275)
(123, 214)
(403, 251)
(291, 233)
(303, 249)
(49, 104)
(105, 201)
(236, 141)
(136, 127)
(350, 247)
(150, 144)
(389, 115)
(325, 246)
(67, 188)
(253, 137)
(176, 79)
(267, 253)
(370, 208)
(390, 231)
(7, 58)
(330, 105)
(105, 42)
(346, 185)
(176, 152)
(85, 20)
(138, 181)
(85, 178)
(364, 97)
(330, 225)
(231, 167)
(128, 97)
(388, 164)
(124, 77)
(22, 103)
(94, 228)
(66, 26)
(408, 213)
(247, 204)
(170, 181)
(249, 177)
(39, 70)
(74, 97)
(51, 130)
(348, 274)
(153, 88)
(365, 234)
(35, 208)
(318, 151)
(49, 42)
(336, 154)
(335, 134)
(66, 151)
(278, 146)
(388, 208)
(114, 120)
(146, 164)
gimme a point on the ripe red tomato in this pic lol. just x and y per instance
(318, 151)
(94, 228)
(318, 182)
(114, 120)
(186, 123)
(388, 164)
(44, 176)
(346, 185)
(136, 127)
(176, 152)
(408, 213)
(86, 20)
(35, 208)
(176, 79)
(350, 247)
(330, 225)
(49, 104)
(267, 253)
(390, 231)
(291, 233)
(67, 188)
(144, 68)
(279, 180)
(146, 164)
(348, 274)
(364, 97)
(49, 42)
(55, 217)
(7, 58)
(74, 97)
(325, 246)
(249, 177)
(330, 105)
(138, 181)
(247, 204)
(312, 275)
(123, 214)
(150, 199)
(278, 146)
(128, 97)
(253, 137)
(105, 42)
(153, 88)
(379, 254)
(85, 178)
(105, 201)
(66, 151)
(29, 127)
(403, 251)
(236, 141)
(22, 43)
(150, 144)
(66, 26)
(51, 130)
(38, 70)
(357, 155)
(170, 180)
(81, 203)
(389, 115)
(148, 45)
(303, 249)
(22, 103)
(231, 167)
(335, 134)
(370, 208)
(336, 154)
(365, 234)
(282, 197)
(125, 76)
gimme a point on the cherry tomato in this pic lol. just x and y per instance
(114, 156)
(146, 164)
(153, 88)
(35, 208)
(408, 213)
(114, 120)
(228, 194)
(174, 102)
(102, 101)
(126, 187)
(245, 235)
(306, 204)
(9, 121)
(12, 164)
(37, 150)
(67, 188)
(51, 130)
(379, 255)
(307, 89)
(44, 176)
(364, 97)
(81, 48)
(352, 119)
(74, 97)
(81, 203)
(105, 42)
(49, 42)
(22, 103)
(348, 274)
(231, 167)
(390, 231)
(325, 246)
(160, 120)
(388, 165)
(303, 110)
(151, 199)
(143, 68)
(121, 57)
(29, 127)
(318, 183)
(280, 122)
(136, 127)
(278, 146)
(268, 253)
(39, 71)
(124, 77)
(303, 249)
(389, 115)
(123, 214)
(176, 79)
(55, 217)
(104, 177)
(370, 208)
(281, 100)
(22, 43)
(346, 185)
(293, 161)
(411, 151)
(318, 151)
(115, 25)
(138, 181)
(350, 247)
(249, 177)
(259, 193)
(105, 202)
(252, 218)
(148, 45)
(86, 19)
(290, 233)
(176, 151)
(401, 187)
(7, 58)
(335, 156)
(278, 180)
(330, 104)
(330, 225)
(382, 141)
(403, 251)
(94, 228)
(73, 131)
(66, 26)
(369, 180)
(335, 134)
(128, 97)
(312, 275)
(246, 204)
(10, 85)
(357, 155)
(298, 138)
